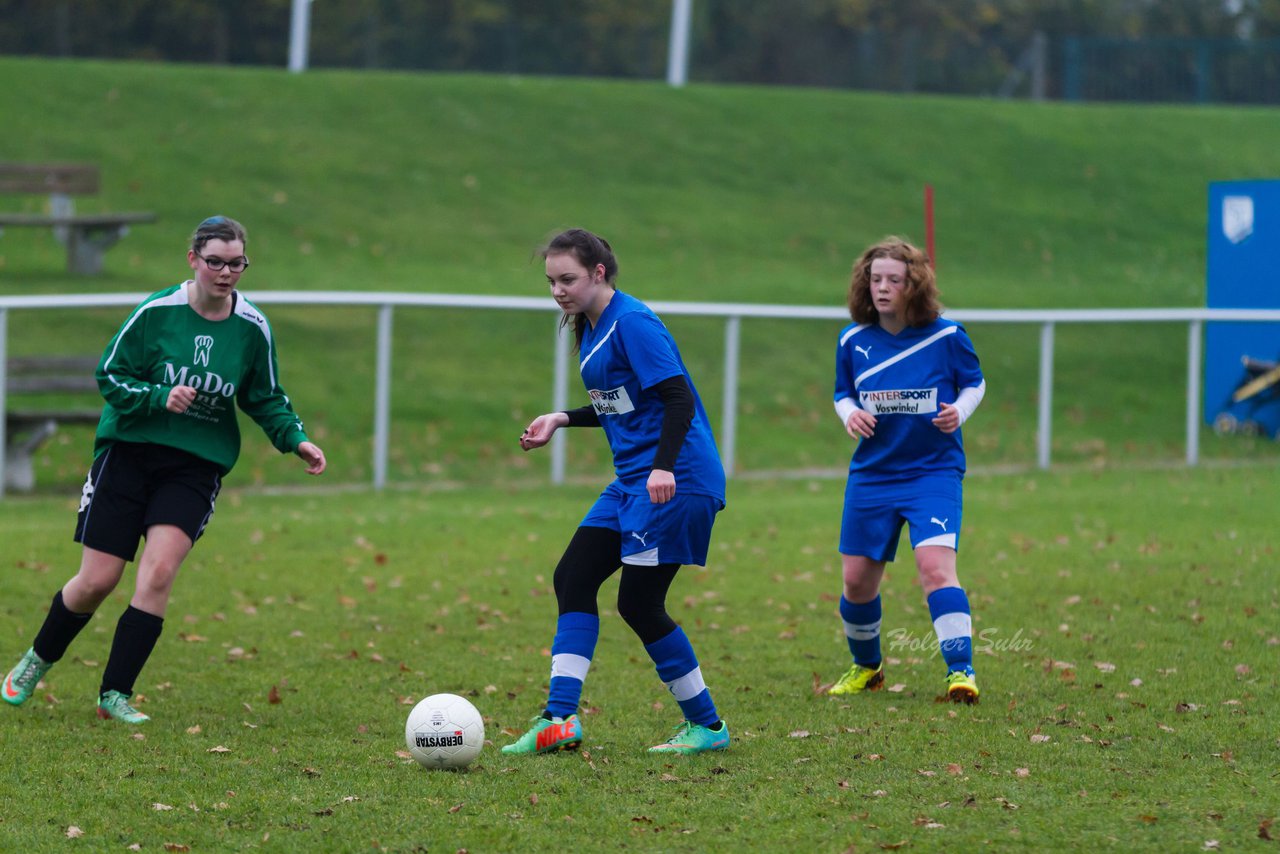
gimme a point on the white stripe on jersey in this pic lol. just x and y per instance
(254, 315)
(942, 333)
(599, 344)
(852, 332)
(178, 297)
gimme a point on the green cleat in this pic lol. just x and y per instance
(548, 736)
(858, 679)
(114, 705)
(690, 738)
(962, 686)
(22, 680)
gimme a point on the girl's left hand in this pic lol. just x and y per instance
(948, 420)
(312, 456)
(662, 486)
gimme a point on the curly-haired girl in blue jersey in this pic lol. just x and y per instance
(653, 518)
(906, 379)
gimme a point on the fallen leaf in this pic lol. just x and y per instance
(954, 768)
(193, 730)
(533, 799)
(455, 808)
(1105, 666)
(798, 733)
(273, 696)
(176, 846)
(74, 832)
(219, 749)
(161, 807)
(1022, 772)
(1039, 739)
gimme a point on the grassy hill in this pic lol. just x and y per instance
(447, 183)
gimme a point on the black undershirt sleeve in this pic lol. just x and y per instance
(677, 416)
(583, 416)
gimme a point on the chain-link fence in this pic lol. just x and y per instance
(733, 41)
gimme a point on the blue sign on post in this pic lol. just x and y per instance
(1243, 272)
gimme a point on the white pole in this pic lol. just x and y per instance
(1044, 430)
(1193, 393)
(729, 416)
(678, 45)
(299, 35)
(382, 399)
(560, 400)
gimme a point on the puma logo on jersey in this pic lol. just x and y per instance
(204, 343)
(940, 522)
(641, 537)
(866, 352)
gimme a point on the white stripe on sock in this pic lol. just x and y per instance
(568, 664)
(865, 632)
(687, 686)
(952, 626)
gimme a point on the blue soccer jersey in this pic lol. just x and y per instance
(901, 380)
(623, 357)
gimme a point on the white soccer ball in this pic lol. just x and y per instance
(444, 731)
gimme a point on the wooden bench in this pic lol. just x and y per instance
(27, 429)
(86, 236)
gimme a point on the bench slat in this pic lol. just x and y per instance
(82, 220)
(68, 178)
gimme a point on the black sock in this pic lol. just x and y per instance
(58, 631)
(136, 635)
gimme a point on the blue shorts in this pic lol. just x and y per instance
(874, 513)
(652, 534)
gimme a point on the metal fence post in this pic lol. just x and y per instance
(1193, 392)
(382, 399)
(1044, 426)
(559, 400)
(678, 44)
(729, 414)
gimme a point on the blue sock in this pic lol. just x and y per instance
(678, 669)
(862, 630)
(571, 652)
(949, 608)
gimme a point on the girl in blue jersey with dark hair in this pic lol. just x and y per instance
(906, 379)
(656, 515)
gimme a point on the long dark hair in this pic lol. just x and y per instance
(589, 250)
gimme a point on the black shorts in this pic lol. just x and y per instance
(133, 486)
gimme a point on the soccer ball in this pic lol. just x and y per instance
(444, 731)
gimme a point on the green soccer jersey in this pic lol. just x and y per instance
(165, 343)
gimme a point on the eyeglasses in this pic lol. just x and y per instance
(235, 265)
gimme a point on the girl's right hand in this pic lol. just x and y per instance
(541, 429)
(861, 424)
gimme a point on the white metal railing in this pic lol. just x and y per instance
(733, 313)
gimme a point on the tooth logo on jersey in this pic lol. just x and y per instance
(204, 343)
(614, 402)
(907, 401)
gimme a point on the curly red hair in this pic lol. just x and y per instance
(920, 288)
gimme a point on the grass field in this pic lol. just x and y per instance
(1126, 628)
(447, 183)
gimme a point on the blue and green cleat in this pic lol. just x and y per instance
(690, 738)
(22, 680)
(113, 705)
(548, 736)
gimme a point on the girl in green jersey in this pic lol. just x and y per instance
(172, 378)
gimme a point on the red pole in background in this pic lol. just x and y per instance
(928, 226)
